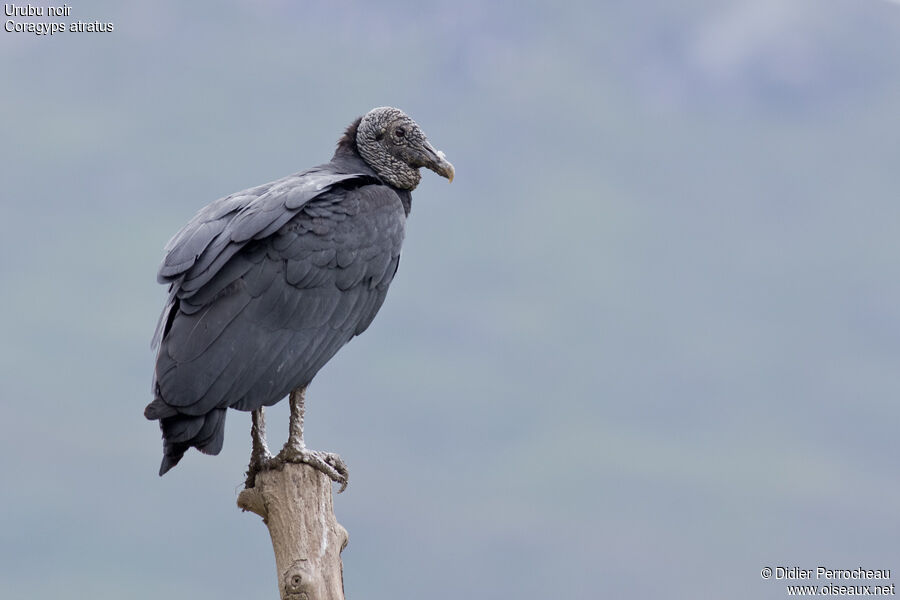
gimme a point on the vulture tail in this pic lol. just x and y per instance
(181, 432)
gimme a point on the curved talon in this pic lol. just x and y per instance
(340, 468)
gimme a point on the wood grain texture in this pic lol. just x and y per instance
(296, 505)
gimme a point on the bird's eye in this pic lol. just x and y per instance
(400, 132)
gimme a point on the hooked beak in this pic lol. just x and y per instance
(434, 160)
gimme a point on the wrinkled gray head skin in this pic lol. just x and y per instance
(396, 148)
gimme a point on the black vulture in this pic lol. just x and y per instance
(267, 284)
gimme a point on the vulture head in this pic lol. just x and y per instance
(396, 148)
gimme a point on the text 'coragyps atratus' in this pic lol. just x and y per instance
(267, 284)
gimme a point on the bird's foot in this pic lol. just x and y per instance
(258, 462)
(327, 462)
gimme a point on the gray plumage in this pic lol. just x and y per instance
(267, 284)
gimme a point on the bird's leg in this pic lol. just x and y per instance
(295, 450)
(298, 412)
(260, 457)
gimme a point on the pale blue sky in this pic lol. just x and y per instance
(644, 345)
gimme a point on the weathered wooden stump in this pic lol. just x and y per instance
(296, 505)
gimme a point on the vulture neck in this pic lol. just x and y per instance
(347, 158)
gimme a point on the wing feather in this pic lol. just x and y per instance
(220, 229)
(296, 271)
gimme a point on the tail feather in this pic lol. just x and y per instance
(181, 432)
(172, 453)
(212, 435)
(158, 409)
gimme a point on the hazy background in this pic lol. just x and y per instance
(644, 345)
